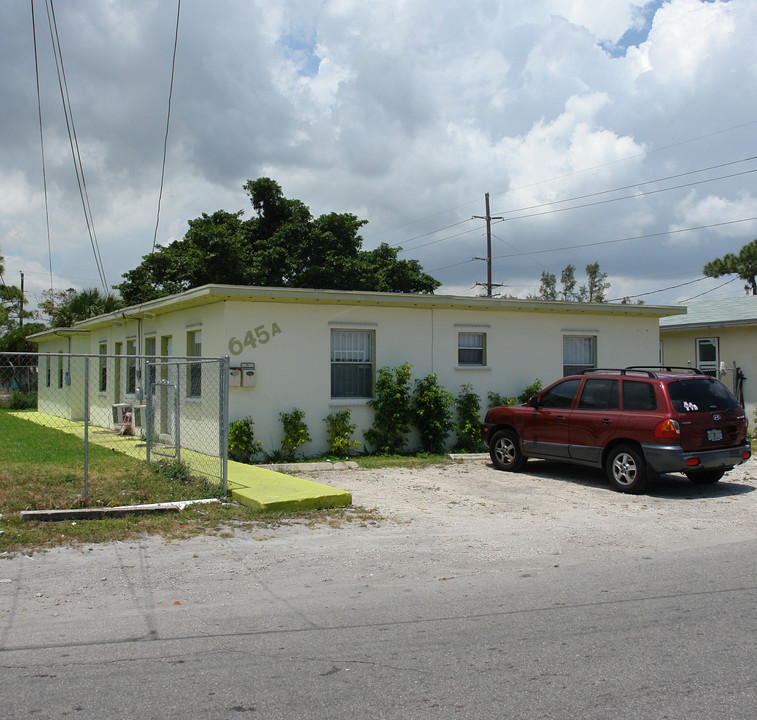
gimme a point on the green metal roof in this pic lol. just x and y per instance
(722, 311)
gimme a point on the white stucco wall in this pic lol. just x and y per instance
(289, 339)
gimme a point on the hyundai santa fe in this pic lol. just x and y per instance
(635, 423)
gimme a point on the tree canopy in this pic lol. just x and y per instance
(65, 307)
(13, 328)
(744, 265)
(282, 245)
(594, 290)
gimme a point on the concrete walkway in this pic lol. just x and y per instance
(257, 487)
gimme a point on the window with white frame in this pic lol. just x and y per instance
(352, 363)
(131, 366)
(579, 352)
(471, 348)
(103, 369)
(708, 355)
(194, 370)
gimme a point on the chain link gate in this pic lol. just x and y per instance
(148, 407)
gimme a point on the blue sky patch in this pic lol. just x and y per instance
(300, 48)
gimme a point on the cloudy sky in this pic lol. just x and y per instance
(618, 132)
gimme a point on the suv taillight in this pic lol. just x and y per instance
(668, 428)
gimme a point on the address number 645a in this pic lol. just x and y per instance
(252, 338)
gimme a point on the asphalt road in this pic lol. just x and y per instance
(381, 622)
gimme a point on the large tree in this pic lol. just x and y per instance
(282, 245)
(744, 265)
(65, 307)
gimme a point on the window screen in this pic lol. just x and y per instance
(351, 363)
(471, 348)
(579, 353)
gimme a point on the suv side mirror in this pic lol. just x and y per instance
(534, 402)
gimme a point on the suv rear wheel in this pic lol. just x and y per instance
(504, 450)
(626, 469)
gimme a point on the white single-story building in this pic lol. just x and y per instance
(320, 350)
(720, 338)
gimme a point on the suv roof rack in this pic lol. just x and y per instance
(647, 370)
(619, 371)
(667, 368)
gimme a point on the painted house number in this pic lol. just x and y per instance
(252, 338)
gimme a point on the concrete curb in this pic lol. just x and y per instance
(118, 511)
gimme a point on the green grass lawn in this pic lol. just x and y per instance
(44, 469)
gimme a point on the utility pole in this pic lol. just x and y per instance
(488, 258)
(21, 309)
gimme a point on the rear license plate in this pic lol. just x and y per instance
(715, 435)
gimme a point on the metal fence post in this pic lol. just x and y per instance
(86, 426)
(224, 429)
(177, 419)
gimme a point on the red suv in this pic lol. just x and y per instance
(635, 423)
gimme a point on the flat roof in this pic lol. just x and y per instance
(210, 294)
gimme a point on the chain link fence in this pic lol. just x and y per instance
(147, 407)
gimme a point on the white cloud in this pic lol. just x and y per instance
(404, 112)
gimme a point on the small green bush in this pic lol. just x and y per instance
(295, 433)
(393, 410)
(172, 471)
(242, 444)
(468, 422)
(339, 430)
(19, 400)
(532, 390)
(495, 399)
(432, 413)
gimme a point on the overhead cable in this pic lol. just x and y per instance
(73, 141)
(42, 145)
(168, 124)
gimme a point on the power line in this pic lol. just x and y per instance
(717, 287)
(596, 194)
(639, 184)
(634, 237)
(168, 123)
(629, 197)
(602, 242)
(654, 292)
(73, 141)
(575, 172)
(42, 145)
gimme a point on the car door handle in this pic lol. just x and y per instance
(606, 421)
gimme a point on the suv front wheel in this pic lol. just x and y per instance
(626, 469)
(504, 450)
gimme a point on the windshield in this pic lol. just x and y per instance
(701, 394)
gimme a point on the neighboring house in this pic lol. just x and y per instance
(320, 350)
(720, 338)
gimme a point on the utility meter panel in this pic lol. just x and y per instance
(249, 376)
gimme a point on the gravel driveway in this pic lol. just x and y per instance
(551, 509)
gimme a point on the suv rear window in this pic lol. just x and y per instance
(638, 395)
(700, 394)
